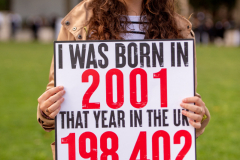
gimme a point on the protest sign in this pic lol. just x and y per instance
(123, 98)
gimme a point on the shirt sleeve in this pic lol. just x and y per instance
(49, 124)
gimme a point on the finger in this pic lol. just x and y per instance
(49, 93)
(193, 108)
(55, 106)
(198, 101)
(53, 114)
(50, 101)
(196, 125)
(196, 117)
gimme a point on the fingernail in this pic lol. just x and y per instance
(63, 92)
(184, 100)
(60, 87)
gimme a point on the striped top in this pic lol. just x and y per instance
(135, 30)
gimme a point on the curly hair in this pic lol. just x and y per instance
(109, 19)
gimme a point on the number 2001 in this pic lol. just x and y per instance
(162, 75)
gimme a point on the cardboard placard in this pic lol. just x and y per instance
(123, 100)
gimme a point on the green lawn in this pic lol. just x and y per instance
(219, 85)
(24, 74)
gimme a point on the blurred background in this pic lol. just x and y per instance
(214, 21)
(27, 31)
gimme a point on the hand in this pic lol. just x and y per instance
(198, 109)
(51, 100)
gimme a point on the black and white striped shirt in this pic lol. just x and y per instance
(134, 29)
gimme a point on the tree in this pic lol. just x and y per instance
(68, 5)
(5, 4)
(212, 5)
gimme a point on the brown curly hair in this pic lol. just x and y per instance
(109, 19)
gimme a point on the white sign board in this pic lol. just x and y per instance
(123, 98)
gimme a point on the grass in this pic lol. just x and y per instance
(24, 74)
(218, 83)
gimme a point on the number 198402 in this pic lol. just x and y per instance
(140, 145)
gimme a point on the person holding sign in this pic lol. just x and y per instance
(118, 20)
